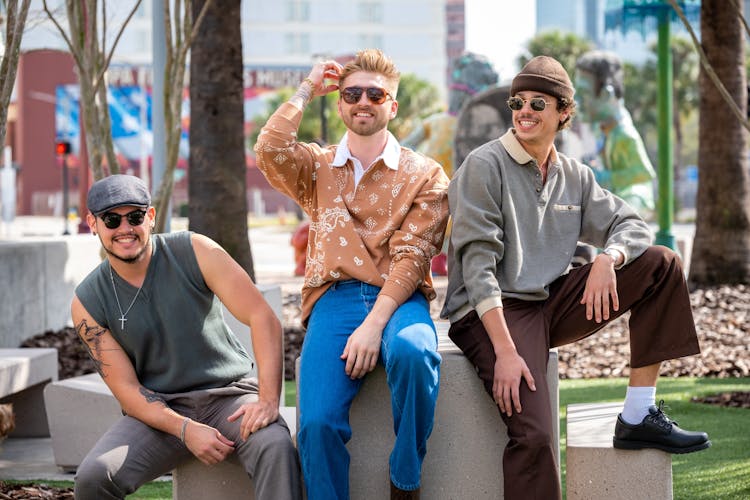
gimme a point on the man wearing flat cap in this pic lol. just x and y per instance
(150, 316)
(519, 208)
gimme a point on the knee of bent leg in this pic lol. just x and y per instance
(92, 477)
(274, 441)
(414, 344)
(413, 355)
(661, 255)
(535, 436)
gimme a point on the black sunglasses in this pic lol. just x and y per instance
(536, 103)
(112, 220)
(376, 95)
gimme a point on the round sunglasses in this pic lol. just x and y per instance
(536, 103)
(376, 95)
(112, 220)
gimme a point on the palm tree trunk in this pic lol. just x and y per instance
(721, 250)
(217, 184)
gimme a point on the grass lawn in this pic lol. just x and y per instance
(722, 471)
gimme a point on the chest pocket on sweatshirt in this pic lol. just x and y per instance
(561, 208)
(565, 220)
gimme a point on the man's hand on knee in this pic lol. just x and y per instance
(207, 443)
(255, 416)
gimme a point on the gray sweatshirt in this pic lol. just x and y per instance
(512, 235)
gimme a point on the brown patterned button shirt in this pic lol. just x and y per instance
(383, 230)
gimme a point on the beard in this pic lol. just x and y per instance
(365, 127)
(129, 260)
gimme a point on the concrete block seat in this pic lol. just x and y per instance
(79, 411)
(24, 372)
(595, 469)
(464, 452)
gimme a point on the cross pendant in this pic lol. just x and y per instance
(122, 321)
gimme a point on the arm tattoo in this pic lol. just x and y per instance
(91, 336)
(303, 96)
(152, 397)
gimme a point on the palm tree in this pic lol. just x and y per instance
(721, 249)
(217, 186)
(566, 47)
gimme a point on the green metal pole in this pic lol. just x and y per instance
(665, 203)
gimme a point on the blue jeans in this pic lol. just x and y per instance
(408, 351)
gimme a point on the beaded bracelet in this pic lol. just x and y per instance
(184, 426)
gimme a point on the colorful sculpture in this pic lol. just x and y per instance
(470, 74)
(625, 169)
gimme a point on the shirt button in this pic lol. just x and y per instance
(537, 190)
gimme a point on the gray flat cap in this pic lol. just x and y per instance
(117, 191)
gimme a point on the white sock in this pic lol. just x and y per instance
(637, 402)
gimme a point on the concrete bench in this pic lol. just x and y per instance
(79, 411)
(24, 372)
(464, 452)
(591, 458)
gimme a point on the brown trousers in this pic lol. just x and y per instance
(661, 325)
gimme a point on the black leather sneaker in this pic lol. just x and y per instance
(658, 431)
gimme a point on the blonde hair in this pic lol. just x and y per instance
(373, 61)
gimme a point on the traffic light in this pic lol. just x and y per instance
(62, 148)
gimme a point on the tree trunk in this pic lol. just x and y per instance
(217, 184)
(721, 250)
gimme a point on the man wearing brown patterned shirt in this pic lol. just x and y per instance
(377, 216)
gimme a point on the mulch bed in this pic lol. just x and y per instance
(729, 399)
(33, 491)
(722, 318)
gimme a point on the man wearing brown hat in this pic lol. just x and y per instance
(150, 316)
(519, 208)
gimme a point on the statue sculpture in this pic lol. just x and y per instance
(625, 169)
(470, 74)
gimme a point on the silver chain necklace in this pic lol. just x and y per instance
(122, 318)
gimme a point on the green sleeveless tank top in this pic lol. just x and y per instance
(175, 334)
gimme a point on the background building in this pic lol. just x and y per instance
(293, 33)
(281, 40)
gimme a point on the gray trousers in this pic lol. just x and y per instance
(131, 453)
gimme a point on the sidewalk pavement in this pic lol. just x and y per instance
(24, 459)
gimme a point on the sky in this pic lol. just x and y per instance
(499, 29)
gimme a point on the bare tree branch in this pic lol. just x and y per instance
(117, 40)
(68, 42)
(709, 69)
